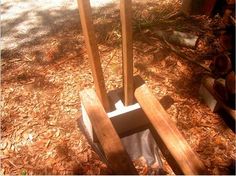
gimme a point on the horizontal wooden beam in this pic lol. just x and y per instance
(174, 147)
(114, 151)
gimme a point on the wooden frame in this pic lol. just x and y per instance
(171, 142)
(114, 151)
(126, 120)
(174, 147)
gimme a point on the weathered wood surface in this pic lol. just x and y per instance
(208, 83)
(114, 151)
(92, 49)
(127, 45)
(174, 147)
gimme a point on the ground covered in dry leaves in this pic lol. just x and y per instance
(44, 66)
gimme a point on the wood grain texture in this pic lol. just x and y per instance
(92, 49)
(115, 153)
(127, 51)
(193, 7)
(171, 142)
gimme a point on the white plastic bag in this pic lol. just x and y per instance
(142, 144)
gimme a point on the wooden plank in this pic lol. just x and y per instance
(92, 49)
(208, 84)
(115, 153)
(126, 22)
(171, 142)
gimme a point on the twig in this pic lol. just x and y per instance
(12, 163)
(110, 60)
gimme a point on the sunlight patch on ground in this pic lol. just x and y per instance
(18, 19)
(99, 3)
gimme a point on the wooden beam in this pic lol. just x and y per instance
(115, 153)
(171, 142)
(126, 22)
(92, 49)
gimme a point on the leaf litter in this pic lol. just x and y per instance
(42, 78)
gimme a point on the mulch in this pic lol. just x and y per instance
(42, 78)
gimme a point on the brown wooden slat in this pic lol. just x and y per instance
(126, 22)
(92, 49)
(116, 155)
(171, 142)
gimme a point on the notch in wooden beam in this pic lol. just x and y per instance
(126, 22)
(92, 49)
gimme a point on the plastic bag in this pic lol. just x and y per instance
(142, 144)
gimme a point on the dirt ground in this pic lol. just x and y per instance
(44, 66)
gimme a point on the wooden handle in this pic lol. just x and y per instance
(92, 49)
(126, 22)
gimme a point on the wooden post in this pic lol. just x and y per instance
(171, 142)
(126, 22)
(92, 49)
(114, 151)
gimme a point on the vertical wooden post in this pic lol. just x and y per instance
(126, 22)
(91, 45)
